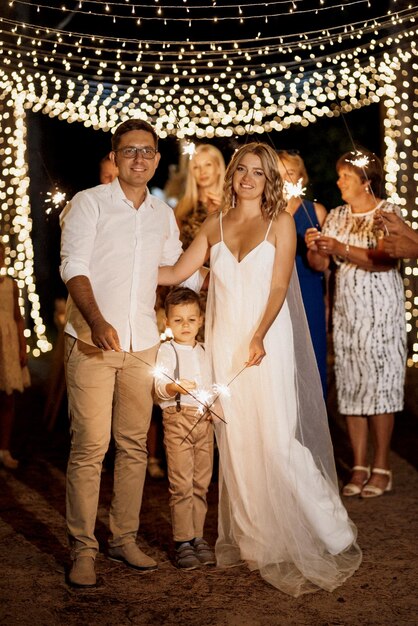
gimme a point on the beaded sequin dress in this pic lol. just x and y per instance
(369, 330)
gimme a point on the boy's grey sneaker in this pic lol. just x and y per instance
(204, 552)
(186, 557)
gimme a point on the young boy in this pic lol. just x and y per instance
(189, 447)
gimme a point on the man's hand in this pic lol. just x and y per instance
(104, 336)
(391, 224)
(400, 247)
(400, 241)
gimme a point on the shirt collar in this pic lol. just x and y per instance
(182, 346)
(118, 194)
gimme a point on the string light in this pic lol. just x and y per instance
(401, 173)
(157, 12)
(15, 221)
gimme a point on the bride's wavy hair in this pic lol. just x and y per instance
(272, 201)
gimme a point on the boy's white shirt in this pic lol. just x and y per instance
(193, 366)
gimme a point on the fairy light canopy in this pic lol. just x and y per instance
(199, 68)
(220, 68)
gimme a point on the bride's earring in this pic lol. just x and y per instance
(233, 200)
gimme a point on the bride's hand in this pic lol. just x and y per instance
(256, 351)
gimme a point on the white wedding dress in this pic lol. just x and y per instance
(279, 506)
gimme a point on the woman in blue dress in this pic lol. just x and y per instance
(312, 283)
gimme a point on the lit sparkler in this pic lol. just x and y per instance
(221, 390)
(205, 398)
(189, 148)
(293, 190)
(56, 199)
(208, 405)
(159, 373)
(360, 160)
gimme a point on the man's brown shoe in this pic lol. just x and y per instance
(131, 555)
(82, 572)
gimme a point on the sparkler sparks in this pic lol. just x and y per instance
(189, 148)
(293, 190)
(56, 199)
(221, 390)
(205, 398)
(360, 160)
(160, 373)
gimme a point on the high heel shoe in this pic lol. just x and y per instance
(351, 489)
(371, 491)
(7, 460)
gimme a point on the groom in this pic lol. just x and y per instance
(114, 237)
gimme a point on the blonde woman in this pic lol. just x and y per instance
(203, 191)
(279, 507)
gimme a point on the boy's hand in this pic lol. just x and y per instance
(182, 386)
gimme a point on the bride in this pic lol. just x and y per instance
(279, 507)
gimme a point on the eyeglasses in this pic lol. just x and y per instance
(131, 152)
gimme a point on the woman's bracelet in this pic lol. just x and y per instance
(347, 250)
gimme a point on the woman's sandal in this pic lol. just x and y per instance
(371, 491)
(351, 489)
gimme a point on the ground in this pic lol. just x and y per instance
(34, 555)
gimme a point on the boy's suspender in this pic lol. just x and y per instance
(176, 377)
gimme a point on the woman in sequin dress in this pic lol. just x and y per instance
(368, 319)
